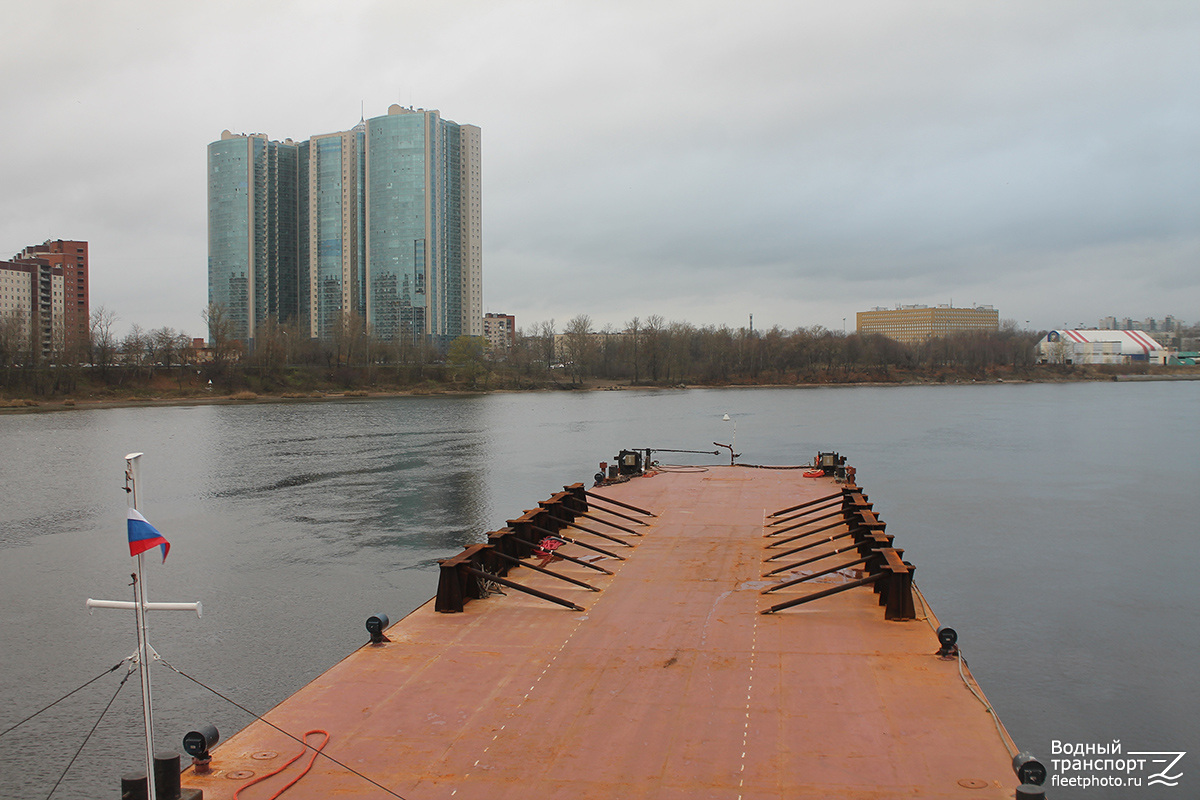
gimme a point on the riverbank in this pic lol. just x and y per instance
(170, 395)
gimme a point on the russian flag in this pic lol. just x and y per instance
(143, 535)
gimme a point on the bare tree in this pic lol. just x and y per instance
(133, 347)
(225, 347)
(269, 343)
(678, 346)
(348, 338)
(654, 335)
(14, 337)
(610, 350)
(102, 341)
(169, 346)
(580, 347)
(545, 331)
(634, 329)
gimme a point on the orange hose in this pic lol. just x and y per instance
(293, 759)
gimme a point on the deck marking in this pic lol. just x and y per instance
(745, 727)
(749, 695)
(520, 705)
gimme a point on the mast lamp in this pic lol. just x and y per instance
(197, 743)
(376, 625)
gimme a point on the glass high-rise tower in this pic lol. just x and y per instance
(252, 227)
(379, 225)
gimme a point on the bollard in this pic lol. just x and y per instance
(166, 775)
(133, 786)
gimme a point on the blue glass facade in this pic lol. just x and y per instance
(325, 233)
(284, 218)
(396, 203)
(303, 279)
(415, 208)
(336, 229)
(366, 225)
(229, 251)
(253, 216)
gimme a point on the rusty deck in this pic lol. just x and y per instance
(670, 683)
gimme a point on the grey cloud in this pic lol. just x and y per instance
(687, 159)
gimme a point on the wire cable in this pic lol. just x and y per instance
(767, 466)
(71, 763)
(931, 618)
(114, 668)
(236, 704)
(1009, 744)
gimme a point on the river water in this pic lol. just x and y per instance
(1052, 525)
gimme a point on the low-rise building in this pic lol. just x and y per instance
(1099, 347)
(916, 323)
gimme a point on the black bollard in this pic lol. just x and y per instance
(166, 775)
(133, 786)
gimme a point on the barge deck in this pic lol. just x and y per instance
(675, 680)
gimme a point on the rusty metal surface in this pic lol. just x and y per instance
(670, 684)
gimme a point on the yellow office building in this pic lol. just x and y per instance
(911, 324)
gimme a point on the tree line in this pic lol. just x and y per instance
(648, 351)
(654, 351)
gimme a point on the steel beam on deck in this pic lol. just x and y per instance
(586, 529)
(514, 585)
(838, 501)
(544, 571)
(805, 505)
(896, 592)
(809, 577)
(619, 503)
(616, 514)
(837, 513)
(821, 529)
(826, 593)
(563, 556)
(806, 561)
(559, 536)
(811, 545)
(609, 524)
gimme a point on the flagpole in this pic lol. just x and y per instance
(142, 537)
(132, 471)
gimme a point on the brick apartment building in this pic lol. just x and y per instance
(44, 293)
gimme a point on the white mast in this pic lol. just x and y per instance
(132, 469)
(141, 606)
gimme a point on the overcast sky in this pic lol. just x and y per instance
(794, 160)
